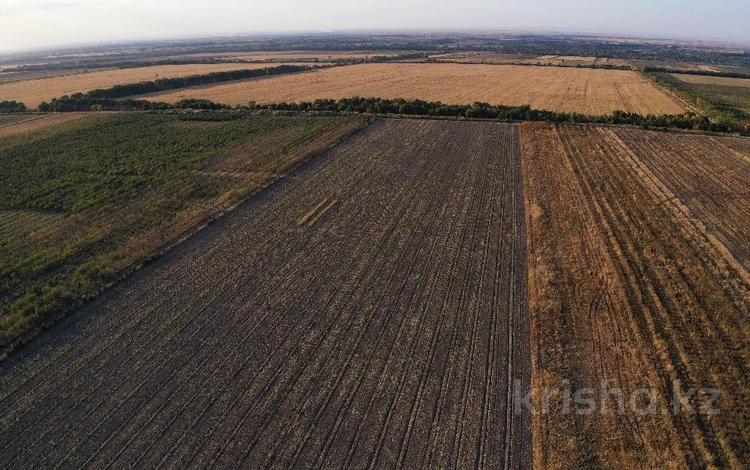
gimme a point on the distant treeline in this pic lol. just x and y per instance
(12, 107)
(707, 73)
(85, 102)
(493, 112)
(410, 108)
(536, 64)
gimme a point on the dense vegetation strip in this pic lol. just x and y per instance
(126, 185)
(707, 73)
(12, 107)
(406, 107)
(727, 106)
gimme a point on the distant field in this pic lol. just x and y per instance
(302, 56)
(314, 55)
(586, 91)
(497, 58)
(716, 96)
(33, 92)
(709, 80)
(17, 125)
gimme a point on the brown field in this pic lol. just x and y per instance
(633, 284)
(33, 92)
(27, 124)
(376, 307)
(586, 91)
(368, 311)
(17, 224)
(709, 80)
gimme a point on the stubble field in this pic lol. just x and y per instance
(34, 92)
(586, 91)
(638, 280)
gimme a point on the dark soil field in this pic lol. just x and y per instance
(369, 310)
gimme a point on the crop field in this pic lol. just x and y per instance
(586, 91)
(125, 198)
(718, 97)
(34, 92)
(370, 310)
(638, 280)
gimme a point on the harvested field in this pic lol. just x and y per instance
(385, 330)
(33, 92)
(38, 123)
(709, 177)
(588, 91)
(633, 287)
(709, 80)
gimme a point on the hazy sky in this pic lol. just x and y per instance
(28, 24)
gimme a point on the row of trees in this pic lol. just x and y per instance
(502, 113)
(12, 107)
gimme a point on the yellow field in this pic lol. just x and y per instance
(33, 92)
(707, 80)
(589, 91)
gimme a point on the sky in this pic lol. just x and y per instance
(34, 24)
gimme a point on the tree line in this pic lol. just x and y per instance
(12, 107)
(382, 106)
(478, 110)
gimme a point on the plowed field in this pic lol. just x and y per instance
(370, 310)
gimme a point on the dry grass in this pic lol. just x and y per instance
(708, 80)
(33, 92)
(633, 284)
(587, 91)
(39, 123)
